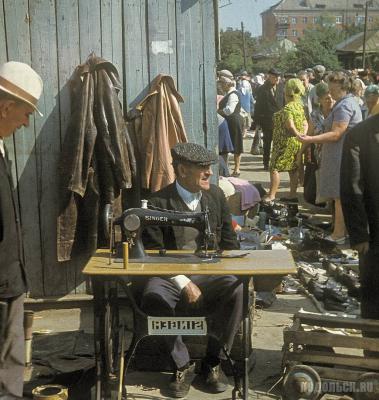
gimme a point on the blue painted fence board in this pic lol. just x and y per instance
(142, 38)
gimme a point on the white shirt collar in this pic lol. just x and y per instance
(192, 200)
(2, 150)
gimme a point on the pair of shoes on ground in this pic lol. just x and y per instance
(213, 377)
(340, 240)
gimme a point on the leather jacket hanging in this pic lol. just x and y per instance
(97, 159)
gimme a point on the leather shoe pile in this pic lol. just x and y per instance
(333, 293)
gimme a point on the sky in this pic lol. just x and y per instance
(247, 11)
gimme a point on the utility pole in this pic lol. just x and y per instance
(243, 46)
(364, 36)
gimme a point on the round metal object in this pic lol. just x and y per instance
(302, 382)
(367, 387)
(132, 223)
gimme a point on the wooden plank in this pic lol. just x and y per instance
(338, 322)
(44, 53)
(330, 340)
(3, 42)
(89, 28)
(136, 54)
(339, 374)
(18, 44)
(68, 58)
(111, 32)
(318, 357)
(210, 122)
(162, 50)
(190, 66)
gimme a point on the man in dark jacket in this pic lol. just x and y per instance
(222, 295)
(360, 204)
(269, 100)
(20, 89)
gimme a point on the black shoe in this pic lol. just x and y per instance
(180, 382)
(214, 378)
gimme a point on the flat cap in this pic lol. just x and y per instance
(320, 69)
(226, 73)
(193, 153)
(274, 71)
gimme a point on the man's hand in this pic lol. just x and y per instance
(192, 294)
(361, 248)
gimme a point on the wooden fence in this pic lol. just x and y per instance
(142, 38)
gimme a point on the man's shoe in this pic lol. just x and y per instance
(180, 382)
(214, 378)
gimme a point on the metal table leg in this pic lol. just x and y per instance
(246, 336)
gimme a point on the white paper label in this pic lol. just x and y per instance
(173, 326)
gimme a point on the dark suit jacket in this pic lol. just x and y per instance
(360, 182)
(12, 272)
(219, 219)
(266, 104)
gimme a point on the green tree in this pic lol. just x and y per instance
(315, 47)
(232, 50)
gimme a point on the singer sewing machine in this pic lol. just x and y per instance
(134, 220)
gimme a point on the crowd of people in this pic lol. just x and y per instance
(302, 120)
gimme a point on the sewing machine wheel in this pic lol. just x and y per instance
(109, 334)
(367, 387)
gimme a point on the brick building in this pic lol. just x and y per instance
(290, 18)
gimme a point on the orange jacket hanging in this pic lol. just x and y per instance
(161, 128)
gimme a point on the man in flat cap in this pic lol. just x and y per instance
(269, 100)
(20, 89)
(192, 191)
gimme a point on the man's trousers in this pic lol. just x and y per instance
(222, 301)
(12, 353)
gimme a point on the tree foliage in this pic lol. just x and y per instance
(232, 50)
(315, 47)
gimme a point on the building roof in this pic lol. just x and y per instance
(354, 44)
(321, 5)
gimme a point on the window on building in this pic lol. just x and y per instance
(294, 33)
(281, 33)
(320, 5)
(359, 20)
(370, 19)
(348, 20)
(305, 20)
(339, 19)
(293, 20)
(283, 20)
(316, 20)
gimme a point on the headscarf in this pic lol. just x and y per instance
(226, 80)
(294, 89)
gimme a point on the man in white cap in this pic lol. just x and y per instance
(20, 89)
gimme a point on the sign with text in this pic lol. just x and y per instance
(188, 326)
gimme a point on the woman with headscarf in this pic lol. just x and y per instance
(289, 123)
(345, 114)
(229, 107)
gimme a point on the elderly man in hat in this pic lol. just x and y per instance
(216, 295)
(269, 100)
(20, 89)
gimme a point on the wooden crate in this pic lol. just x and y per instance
(333, 356)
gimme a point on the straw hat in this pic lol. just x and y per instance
(21, 81)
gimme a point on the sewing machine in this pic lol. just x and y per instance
(134, 220)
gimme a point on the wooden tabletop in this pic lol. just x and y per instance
(256, 262)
